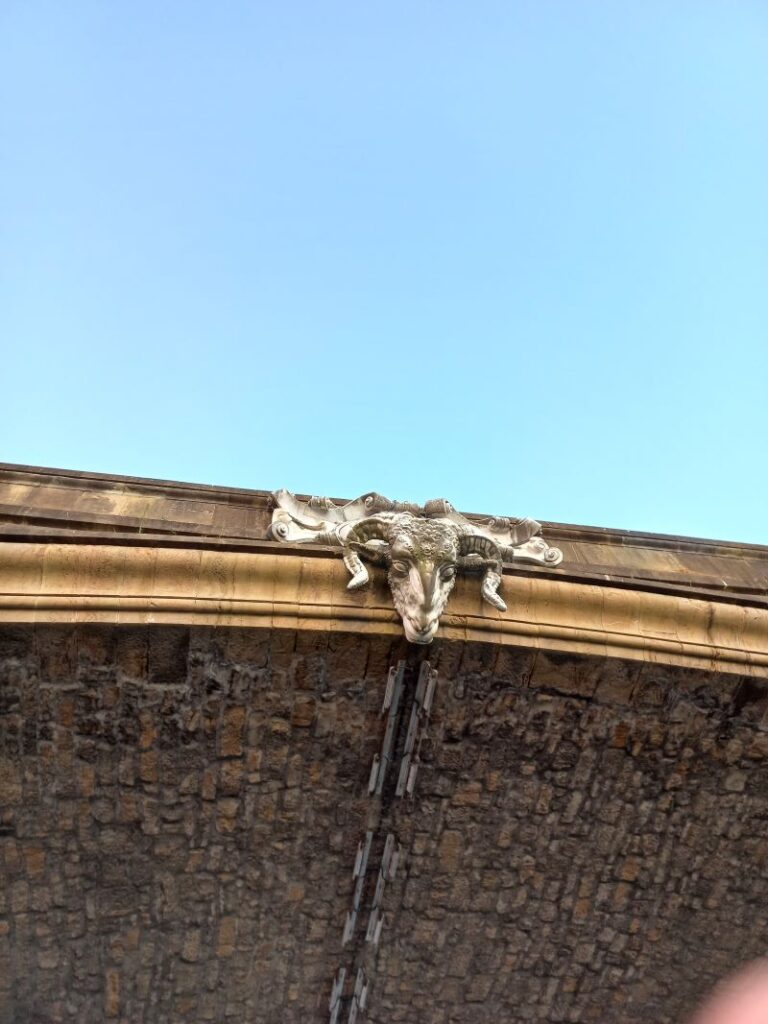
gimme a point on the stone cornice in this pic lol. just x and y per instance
(267, 585)
(21, 487)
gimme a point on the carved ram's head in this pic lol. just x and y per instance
(422, 548)
(423, 561)
(423, 557)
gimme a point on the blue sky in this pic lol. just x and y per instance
(513, 254)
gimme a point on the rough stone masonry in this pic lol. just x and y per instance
(181, 808)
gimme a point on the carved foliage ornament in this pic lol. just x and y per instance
(422, 548)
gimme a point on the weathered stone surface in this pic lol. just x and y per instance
(180, 812)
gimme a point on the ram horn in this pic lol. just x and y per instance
(475, 544)
(357, 540)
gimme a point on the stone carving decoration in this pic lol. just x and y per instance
(422, 548)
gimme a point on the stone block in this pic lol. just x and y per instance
(226, 937)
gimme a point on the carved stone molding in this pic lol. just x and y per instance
(81, 582)
(422, 548)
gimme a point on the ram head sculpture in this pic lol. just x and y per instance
(423, 548)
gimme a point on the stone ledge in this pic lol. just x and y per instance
(283, 590)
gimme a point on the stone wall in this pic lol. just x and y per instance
(181, 810)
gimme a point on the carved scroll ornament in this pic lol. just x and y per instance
(422, 548)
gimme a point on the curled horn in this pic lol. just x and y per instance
(356, 540)
(475, 544)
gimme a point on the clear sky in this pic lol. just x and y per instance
(510, 253)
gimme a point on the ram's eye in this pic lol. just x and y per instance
(400, 567)
(449, 572)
